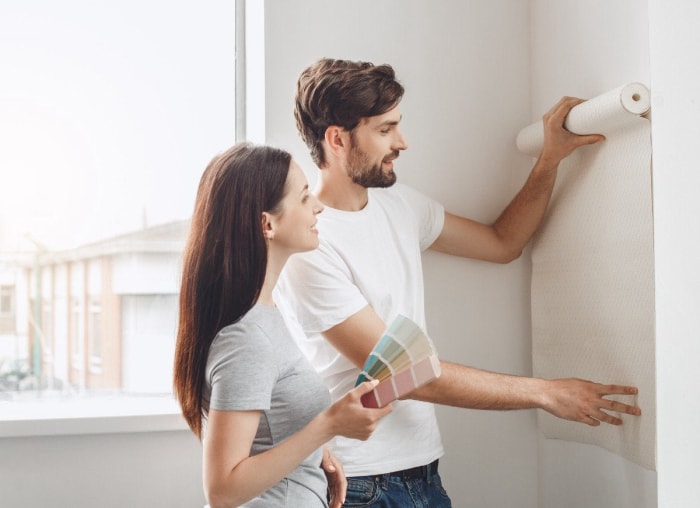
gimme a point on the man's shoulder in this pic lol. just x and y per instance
(318, 259)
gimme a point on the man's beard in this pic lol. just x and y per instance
(363, 173)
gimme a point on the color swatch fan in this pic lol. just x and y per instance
(403, 360)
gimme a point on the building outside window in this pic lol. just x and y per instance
(7, 308)
(95, 334)
(109, 113)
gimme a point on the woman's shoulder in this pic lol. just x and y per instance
(260, 323)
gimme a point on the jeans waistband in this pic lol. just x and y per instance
(415, 473)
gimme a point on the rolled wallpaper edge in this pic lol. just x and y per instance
(603, 114)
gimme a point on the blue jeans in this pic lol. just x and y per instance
(398, 490)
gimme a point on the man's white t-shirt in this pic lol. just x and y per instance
(372, 256)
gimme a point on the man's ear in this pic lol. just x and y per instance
(336, 139)
(268, 230)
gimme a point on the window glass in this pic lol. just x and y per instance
(109, 113)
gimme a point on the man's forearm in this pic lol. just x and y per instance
(571, 399)
(523, 215)
(467, 387)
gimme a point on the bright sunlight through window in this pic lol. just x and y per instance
(109, 113)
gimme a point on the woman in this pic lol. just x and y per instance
(265, 409)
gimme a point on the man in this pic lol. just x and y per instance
(367, 270)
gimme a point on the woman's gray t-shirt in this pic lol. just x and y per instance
(255, 364)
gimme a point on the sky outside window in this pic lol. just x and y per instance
(109, 113)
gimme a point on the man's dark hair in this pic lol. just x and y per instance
(341, 92)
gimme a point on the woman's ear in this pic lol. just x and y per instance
(268, 230)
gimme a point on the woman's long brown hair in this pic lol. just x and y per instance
(224, 259)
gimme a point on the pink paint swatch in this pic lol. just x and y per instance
(403, 360)
(403, 383)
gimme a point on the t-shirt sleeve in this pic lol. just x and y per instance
(430, 214)
(319, 290)
(320, 287)
(241, 369)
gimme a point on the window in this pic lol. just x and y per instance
(109, 113)
(7, 309)
(95, 334)
(7, 300)
(76, 334)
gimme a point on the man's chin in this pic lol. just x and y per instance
(391, 179)
(378, 181)
(379, 184)
(386, 184)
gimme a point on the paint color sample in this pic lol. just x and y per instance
(403, 360)
(403, 383)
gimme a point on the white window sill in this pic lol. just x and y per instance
(95, 415)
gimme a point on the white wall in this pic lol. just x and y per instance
(585, 49)
(466, 71)
(135, 470)
(675, 81)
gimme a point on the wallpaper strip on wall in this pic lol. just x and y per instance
(593, 269)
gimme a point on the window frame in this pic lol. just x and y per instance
(125, 414)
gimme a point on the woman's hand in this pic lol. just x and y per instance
(348, 417)
(337, 484)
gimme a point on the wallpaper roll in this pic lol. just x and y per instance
(604, 114)
(592, 289)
